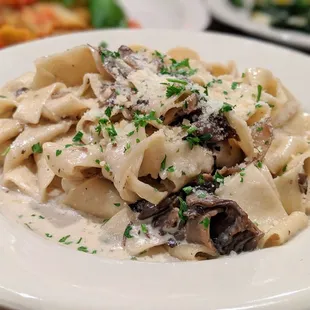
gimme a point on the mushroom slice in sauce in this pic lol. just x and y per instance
(218, 224)
(229, 228)
(147, 209)
(303, 183)
(139, 60)
(216, 126)
(176, 115)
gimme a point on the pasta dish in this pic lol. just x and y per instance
(158, 156)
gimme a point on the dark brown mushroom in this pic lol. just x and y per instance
(148, 209)
(229, 227)
(116, 67)
(303, 182)
(216, 127)
(176, 115)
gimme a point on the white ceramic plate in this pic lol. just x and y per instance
(38, 274)
(240, 18)
(169, 14)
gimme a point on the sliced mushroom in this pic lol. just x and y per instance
(139, 60)
(147, 209)
(229, 227)
(116, 67)
(303, 183)
(175, 116)
(216, 126)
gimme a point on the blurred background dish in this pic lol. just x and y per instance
(286, 21)
(24, 20)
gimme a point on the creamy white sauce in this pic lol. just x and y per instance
(54, 221)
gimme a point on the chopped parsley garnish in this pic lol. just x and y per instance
(127, 232)
(206, 92)
(83, 249)
(111, 132)
(106, 53)
(101, 148)
(234, 85)
(58, 152)
(226, 107)
(183, 208)
(196, 91)
(97, 161)
(137, 140)
(68, 145)
(78, 137)
(117, 204)
(225, 92)
(258, 105)
(202, 195)
(205, 222)
(144, 228)
(103, 44)
(94, 252)
(192, 129)
(180, 64)
(259, 164)
(218, 178)
(6, 151)
(127, 147)
(79, 241)
(48, 235)
(171, 169)
(103, 121)
(41, 217)
(259, 92)
(130, 133)
(187, 190)
(242, 174)
(271, 105)
(243, 75)
(173, 90)
(192, 141)
(107, 167)
(259, 129)
(159, 55)
(201, 180)
(64, 239)
(108, 112)
(177, 81)
(179, 68)
(284, 168)
(141, 120)
(163, 164)
(37, 148)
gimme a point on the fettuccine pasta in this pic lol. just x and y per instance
(175, 155)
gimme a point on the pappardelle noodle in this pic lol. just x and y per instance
(186, 157)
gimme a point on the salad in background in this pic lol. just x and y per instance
(284, 14)
(24, 20)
